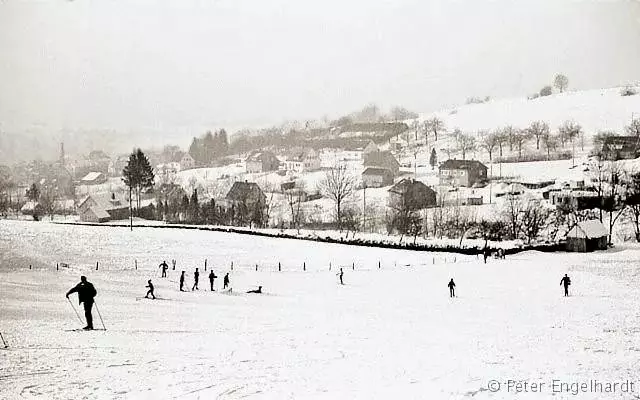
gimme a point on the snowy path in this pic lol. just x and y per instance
(389, 333)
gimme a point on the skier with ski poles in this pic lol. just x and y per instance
(150, 291)
(164, 267)
(86, 292)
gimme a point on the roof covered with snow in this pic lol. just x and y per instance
(92, 176)
(590, 229)
(462, 164)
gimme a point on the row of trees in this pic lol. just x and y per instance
(209, 147)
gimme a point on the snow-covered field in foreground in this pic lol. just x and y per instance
(387, 334)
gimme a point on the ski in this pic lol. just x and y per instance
(84, 330)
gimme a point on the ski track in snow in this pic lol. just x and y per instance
(388, 333)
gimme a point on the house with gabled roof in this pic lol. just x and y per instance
(248, 203)
(93, 178)
(302, 161)
(374, 177)
(412, 195)
(621, 147)
(462, 172)
(587, 236)
(262, 161)
(382, 159)
(103, 207)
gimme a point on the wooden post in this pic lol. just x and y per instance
(353, 266)
(304, 266)
(279, 267)
(30, 266)
(57, 266)
(256, 267)
(378, 264)
(96, 265)
(232, 265)
(136, 264)
(205, 264)
(433, 260)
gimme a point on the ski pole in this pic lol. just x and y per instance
(74, 309)
(100, 315)
(5, 343)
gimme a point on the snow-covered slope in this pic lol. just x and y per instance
(601, 109)
(387, 333)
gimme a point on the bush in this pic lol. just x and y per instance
(628, 91)
(546, 91)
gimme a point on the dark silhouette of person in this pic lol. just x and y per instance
(182, 282)
(164, 267)
(225, 281)
(485, 254)
(566, 281)
(150, 292)
(452, 286)
(212, 276)
(86, 292)
(340, 275)
(196, 277)
(173, 262)
(258, 290)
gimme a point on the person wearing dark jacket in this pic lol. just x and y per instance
(150, 292)
(452, 290)
(86, 292)
(225, 281)
(212, 276)
(566, 281)
(164, 267)
(182, 281)
(196, 277)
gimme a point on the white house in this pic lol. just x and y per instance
(302, 161)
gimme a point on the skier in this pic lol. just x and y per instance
(164, 267)
(452, 290)
(173, 262)
(182, 282)
(150, 292)
(86, 293)
(258, 290)
(340, 275)
(196, 276)
(225, 281)
(212, 276)
(566, 281)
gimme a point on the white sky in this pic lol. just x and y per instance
(135, 64)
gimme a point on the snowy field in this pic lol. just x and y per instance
(389, 333)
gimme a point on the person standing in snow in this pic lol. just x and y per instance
(196, 277)
(566, 281)
(86, 292)
(340, 275)
(212, 276)
(150, 291)
(164, 267)
(452, 290)
(174, 264)
(225, 281)
(182, 282)
(485, 254)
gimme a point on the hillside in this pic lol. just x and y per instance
(599, 109)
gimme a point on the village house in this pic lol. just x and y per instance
(587, 236)
(116, 165)
(575, 199)
(370, 148)
(384, 160)
(621, 147)
(103, 207)
(248, 202)
(187, 162)
(462, 172)
(302, 161)
(262, 161)
(93, 178)
(374, 177)
(411, 195)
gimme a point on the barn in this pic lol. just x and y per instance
(587, 236)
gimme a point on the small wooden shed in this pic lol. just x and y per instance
(587, 236)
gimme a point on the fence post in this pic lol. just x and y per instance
(279, 267)
(256, 267)
(232, 265)
(378, 264)
(205, 264)
(353, 266)
(329, 265)
(96, 265)
(304, 266)
(30, 266)
(136, 261)
(57, 266)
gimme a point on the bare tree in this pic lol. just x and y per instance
(464, 142)
(519, 139)
(538, 129)
(550, 143)
(546, 91)
(561, 82)
(399, 113)
(338, 185)
(632, 213)
(633, 129)
(489, 142)
(535, 217)
(598, 141)
(509, 132)
(569, 130)
(501, 139)
(48, 200)
(435, 125)
(294, 198)
(512, 214)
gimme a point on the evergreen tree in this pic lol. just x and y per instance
(433, 160)
(195, 206)
(137, 175)
(184, 207)
(33, 193)
(224, 143)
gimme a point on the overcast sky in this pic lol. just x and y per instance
(134, 64)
